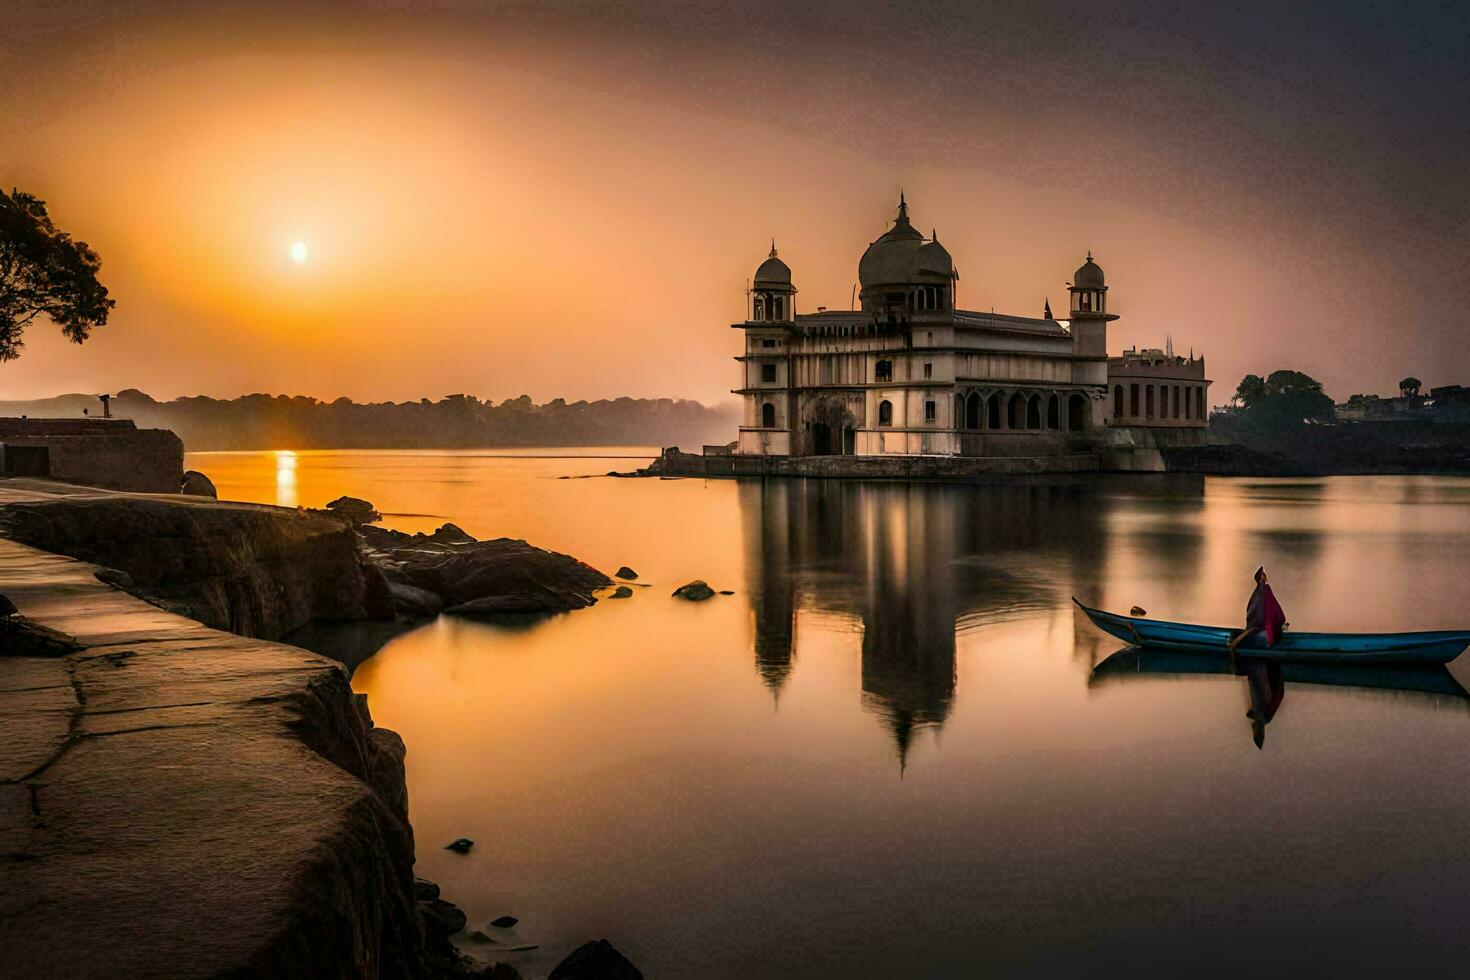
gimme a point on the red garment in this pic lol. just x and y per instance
(1264, 613)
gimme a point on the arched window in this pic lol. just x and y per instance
(1199, 403)
(1117, 400)
(1188, 404)
(1178, 391)
(778, 307)
(1077, 412)
(1033, 412)
(1148, 401)
(1016, 412)
(1053, 412)
(1133, 400)
(768, 416)
(883, 371)
(885, 413)
(992, 411)
(959, 412)
(972, 411)
(760, 307)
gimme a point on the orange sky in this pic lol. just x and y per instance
(567, 201)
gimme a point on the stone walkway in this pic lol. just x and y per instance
(181, 802)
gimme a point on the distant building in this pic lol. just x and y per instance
(1158, 389)
(1446, 403)
(909, 373)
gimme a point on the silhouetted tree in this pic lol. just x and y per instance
(1250, 390)
(1283, 398)
(44, 273)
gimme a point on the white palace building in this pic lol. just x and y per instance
(908, 374)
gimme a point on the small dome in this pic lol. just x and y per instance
(933, 258)
(773, 272)
(1089, 275)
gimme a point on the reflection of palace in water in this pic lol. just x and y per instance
(915, 564)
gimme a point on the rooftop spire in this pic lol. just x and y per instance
(903, 207)
(773, 247)
(1046, 310)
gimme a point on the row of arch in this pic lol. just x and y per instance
(1020, 410)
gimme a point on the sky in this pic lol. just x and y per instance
(567, 199)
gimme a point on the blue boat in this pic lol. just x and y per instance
(1433, 646)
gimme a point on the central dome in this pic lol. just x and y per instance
(902, 256)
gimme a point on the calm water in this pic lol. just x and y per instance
(888, 753)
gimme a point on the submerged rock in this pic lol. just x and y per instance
(727, 592)
(7, 608)
(625, 572)
(443, 917)
(355, 509)
(425, 890)
(597, 960)
(621, 592)
(504, 922)
(197, 484)
(696, 591)
(460, 845)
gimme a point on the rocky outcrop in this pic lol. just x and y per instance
(196, 484)
(478, 578)
(355, 509)
(176, 801)
(250, 569)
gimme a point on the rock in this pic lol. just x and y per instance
(1138, 611)
(625, 573)
(252, 570)
(20, 637)
(482, 578)
(727, 592)
(355, 509)
(696, 591)
(505, 922)
(414, 602)
(460, 845)
(451, 534)
(621, 592)
(7, 608)
(115, 577)
(196, 484)
(425, 890)
(443, 917)
(596, 960)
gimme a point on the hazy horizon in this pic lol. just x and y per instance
(567, 200)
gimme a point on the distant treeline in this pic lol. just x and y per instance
(453, 422)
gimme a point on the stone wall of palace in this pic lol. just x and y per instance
(109, 453)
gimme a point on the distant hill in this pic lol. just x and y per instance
(453, 422)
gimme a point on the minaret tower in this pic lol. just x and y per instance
(1089, 316)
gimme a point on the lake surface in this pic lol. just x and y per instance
(889, 754)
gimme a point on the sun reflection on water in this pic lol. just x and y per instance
(286, 478)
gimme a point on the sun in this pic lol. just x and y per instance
(298, 252)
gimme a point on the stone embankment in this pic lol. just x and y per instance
(178, 801)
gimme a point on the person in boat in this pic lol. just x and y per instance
(1263, 614)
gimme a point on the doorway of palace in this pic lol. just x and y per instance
(849, 442)
(821, 439)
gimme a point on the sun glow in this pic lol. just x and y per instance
(298, 252)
